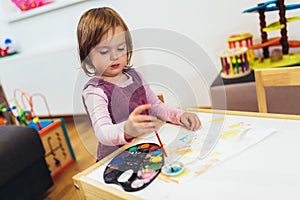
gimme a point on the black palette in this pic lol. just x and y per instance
(136, 167)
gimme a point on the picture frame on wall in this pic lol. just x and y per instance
(22, 9)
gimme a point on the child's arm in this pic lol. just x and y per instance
(166, 113)
(116, 134)
(97, 106)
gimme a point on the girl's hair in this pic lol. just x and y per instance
(92, 26)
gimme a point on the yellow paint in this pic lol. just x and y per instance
(184, 151)
(156, 159)
(165, 178)
(225, 135)
(216, 120)
(185, 172)
(234, 125)
(205, 167)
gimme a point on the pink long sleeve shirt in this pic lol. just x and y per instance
(112, 134)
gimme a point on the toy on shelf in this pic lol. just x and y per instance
(235, 62)
(278, 57)
(8, 48)
(242, 40)
(25, 5)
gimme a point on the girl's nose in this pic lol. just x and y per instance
(114, 55)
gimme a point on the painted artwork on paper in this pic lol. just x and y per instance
(223, 136)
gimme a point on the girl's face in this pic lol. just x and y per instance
(109, 57)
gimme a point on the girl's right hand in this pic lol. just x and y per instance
(138, 124)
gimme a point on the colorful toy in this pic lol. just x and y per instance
(8, 48)
(6, 112)
(25, 5)
(286, 59)
(235, 62)
(242, 40)
(58, 150)
(136, 167)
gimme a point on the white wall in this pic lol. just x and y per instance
(48, 61)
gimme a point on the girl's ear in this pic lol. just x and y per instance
(87, 61)
(89, 67)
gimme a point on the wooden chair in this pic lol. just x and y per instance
(161, 97)
(272, 77)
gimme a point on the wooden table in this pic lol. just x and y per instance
(267, 169)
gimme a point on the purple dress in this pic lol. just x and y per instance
(121, 102)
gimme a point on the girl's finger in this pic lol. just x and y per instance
(138, 110)
(145, 118)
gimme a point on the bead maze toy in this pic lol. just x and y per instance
(58, 150)
(275, 59)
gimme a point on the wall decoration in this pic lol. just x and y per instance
(25, 5)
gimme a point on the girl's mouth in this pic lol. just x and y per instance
(115, 66)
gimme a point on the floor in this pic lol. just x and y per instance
(84, 145)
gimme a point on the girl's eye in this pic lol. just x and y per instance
(121, 48)
(103, 52)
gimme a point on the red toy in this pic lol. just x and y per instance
(8, 48)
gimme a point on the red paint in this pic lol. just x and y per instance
(153, 148)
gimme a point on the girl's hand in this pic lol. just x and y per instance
(138, 124)
(190, 121)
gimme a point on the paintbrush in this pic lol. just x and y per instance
(156, 133)
(168, 166)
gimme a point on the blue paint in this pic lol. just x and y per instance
(116, 161)
(173, 169)
(156, 152)
(184, 138)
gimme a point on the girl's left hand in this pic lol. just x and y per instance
(190, 121)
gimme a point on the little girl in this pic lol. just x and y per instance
(113, 96)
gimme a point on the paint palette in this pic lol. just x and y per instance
(136, 167)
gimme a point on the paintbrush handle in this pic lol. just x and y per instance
(156, 133)
(162, 147)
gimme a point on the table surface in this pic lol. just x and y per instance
(270, 169)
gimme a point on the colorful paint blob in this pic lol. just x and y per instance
(144, 146)
(136, 167)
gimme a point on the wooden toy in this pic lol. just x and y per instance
(287, 59)
(235, 63)
(58, 150)
(242, 40)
